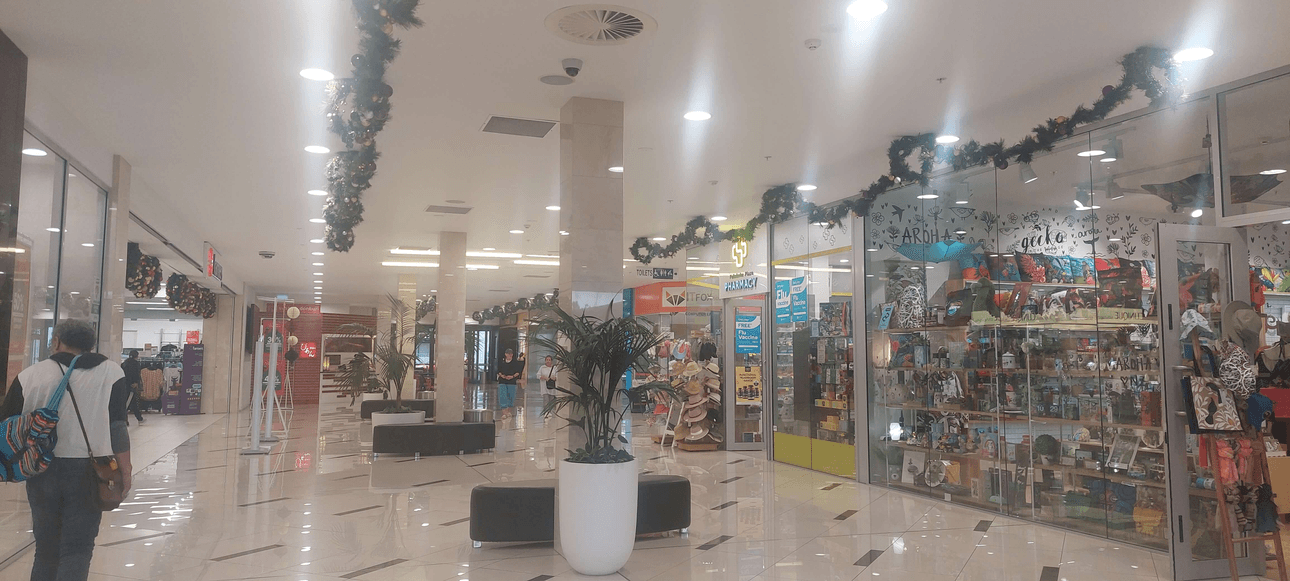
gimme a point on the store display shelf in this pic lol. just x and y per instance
(1107, 476)
(1041, 372)
(959, 455)
(1099, 444)
(1022, 417)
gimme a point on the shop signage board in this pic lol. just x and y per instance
(747, 334)
(308, 349)
(192, 337)
(659, 297)
(783, 302)
(214, 270)
(747, 385)
(799, 299)
(190, 385)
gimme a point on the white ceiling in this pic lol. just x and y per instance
(204, 99)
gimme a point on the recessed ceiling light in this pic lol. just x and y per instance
(1197, 213)
(871, 249)
(318, 274)
(719, 218)
(316, 241)
(1285, 221)
(317, 220)
(34, 152)
(517, 231)
(806, 188)
(482, 266)
(658, 239)
(318, 264)
(317, 288)
(317, 149)
(845, 260)
(1107, 159)
(412, 264)
(564, 233)
(946, 139)
(494, 254)
(539, 262)
(927, 196)
(866, 10)
(490, 248)
(698, 115)
(316, 253)
(553, 208)
(317, 74)
(1113, 239)
(961, 202)
(52, 229)
(88, 244)
(1193, 54)
(317, 282)
(1091, 153)
(616, 169)
(1272, 172)
(317, 192)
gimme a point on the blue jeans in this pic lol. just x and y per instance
(64, 520)
(505, 396)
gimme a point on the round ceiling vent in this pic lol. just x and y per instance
(598, 24)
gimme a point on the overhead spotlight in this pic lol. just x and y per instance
(517, 231)
(718, 218)
(317, 220)
(316, 241)
(806, 188)
(931, 196)
(616, 169)
(1091, 153)
(1114, 150)
(317, 192)
(866, 10)
(35, 152)
(698, 115)
(658, 239)
(1285, 221)
(1198, 212)
(553, 208)
(317, 149)
(946, 139)
(317, 74)
(316, 253)
(564, 233)
(1187, 55)
(1027, 173)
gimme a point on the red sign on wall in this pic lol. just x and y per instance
(193, 337)
(308, 350)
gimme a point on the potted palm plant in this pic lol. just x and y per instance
(393, 362)
(598, 481)
(359, 381)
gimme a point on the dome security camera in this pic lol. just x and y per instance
(571, 66)
(813, 43)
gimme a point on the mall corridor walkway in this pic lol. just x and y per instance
(321, 508)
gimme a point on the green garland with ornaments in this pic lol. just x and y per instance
(783, 202)
(357, 109)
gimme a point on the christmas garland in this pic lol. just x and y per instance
(426, 307)
(539, 301)
(189, 297)
(142, 272)
(782, 202)
(357, 109)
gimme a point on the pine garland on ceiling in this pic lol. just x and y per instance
(782, 202)
(357, 109)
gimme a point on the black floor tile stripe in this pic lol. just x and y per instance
(429, 483)
(480, 464)
(832, 486)
(115, 543)
(983, 526)
(714, 542)
(206, 468)
(345, 456)
(406, 460)
(366, 508)
(725, 505)
(846, 515)
(737, 461)
(729, 480)
(1049, 574)
(250, 552)
(454, 522)
(868, 558)
(378, 567)
(542, 578)
(276, 472)
(350, 477)
(257, 503)
(658, 457)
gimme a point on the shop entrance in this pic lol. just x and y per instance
(1202, 270)
(743, 321)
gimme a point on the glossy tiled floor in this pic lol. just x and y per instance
(321, 508)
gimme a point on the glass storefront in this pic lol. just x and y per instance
(812, 346)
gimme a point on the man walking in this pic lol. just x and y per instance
(509, 371)
(135, 380)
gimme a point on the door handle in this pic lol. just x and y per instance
(1182, 368)
(1181, 414)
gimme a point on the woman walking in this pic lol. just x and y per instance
(65, 519)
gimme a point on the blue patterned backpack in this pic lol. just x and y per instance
(27, 441)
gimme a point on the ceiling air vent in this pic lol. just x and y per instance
(598, 24)
(433, 209)
(537, 276)
(521, 127)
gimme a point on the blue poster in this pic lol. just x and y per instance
(747, 334)
(799, 299)
(783, 311)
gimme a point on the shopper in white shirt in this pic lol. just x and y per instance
(546, 374)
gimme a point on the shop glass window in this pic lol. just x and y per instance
(1255, 151)
(81, 272)
(35, 275)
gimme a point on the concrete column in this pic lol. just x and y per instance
(591, 212)
(113, 299)
(218, 351)
(591, 204)
(407, 329)
(450, 338)
(13, 105)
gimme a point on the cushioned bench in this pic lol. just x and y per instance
(524, 511)
(378, 405)
(431, 439)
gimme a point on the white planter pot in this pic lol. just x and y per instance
(372, 396)
(597, 515)
(383, 419)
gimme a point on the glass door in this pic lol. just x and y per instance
(744, 319)
(1202, 270)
